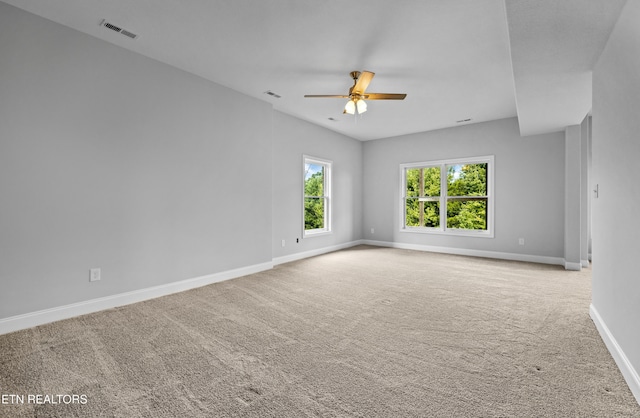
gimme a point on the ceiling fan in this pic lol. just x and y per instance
(357, 93)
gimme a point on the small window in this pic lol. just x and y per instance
(452, 197)
(317, 196)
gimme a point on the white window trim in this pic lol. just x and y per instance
(442, 229)
(307, 159)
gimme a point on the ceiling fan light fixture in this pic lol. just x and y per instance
(350, 107)
(356, 104)
(361, 105)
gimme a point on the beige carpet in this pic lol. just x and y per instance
(365, 332)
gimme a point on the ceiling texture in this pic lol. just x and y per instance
(459, 61)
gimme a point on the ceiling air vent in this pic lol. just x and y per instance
(118, 29)
(463, 120)
(270, 93)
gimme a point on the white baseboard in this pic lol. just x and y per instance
(313, 253)
(625, 366)
(572, 266)
(585, 264)
(473, 253)
(32, 319)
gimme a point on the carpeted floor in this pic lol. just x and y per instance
(365, 332)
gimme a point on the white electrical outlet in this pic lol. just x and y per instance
(372, 230)
(283, 243)
(94, 275)
(521, 241)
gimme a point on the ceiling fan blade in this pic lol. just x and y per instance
(331, 96)
(384, 96)
(363, 82)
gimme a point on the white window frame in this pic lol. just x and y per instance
(442, 229)
(307, 159)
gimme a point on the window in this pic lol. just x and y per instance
(317, 196)
(451, 197)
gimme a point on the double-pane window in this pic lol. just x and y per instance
(448, 196)
(317, 196)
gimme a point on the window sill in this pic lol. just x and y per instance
(449, 232)
(316, 233)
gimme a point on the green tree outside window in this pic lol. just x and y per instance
(314, 198)
(464, 195)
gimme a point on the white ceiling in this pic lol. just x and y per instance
(455, 59)
(554, 47)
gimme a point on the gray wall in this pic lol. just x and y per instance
(109, 159)
(293, 138)
(529, 186)
(616, 149)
